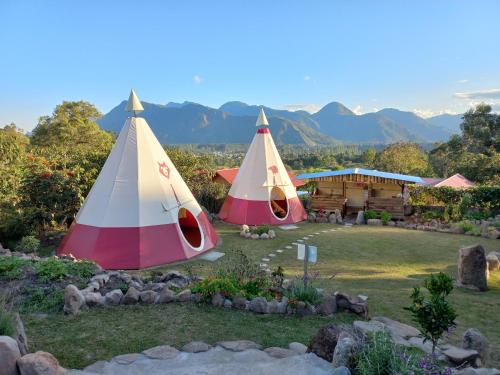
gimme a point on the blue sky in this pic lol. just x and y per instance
(427, 56)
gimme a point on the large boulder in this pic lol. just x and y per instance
(240, 302)
(73, 300)
(166, 296)
(239, 345)
(20, 335)
(360, 219)
(196, 347)
(374, 222)
(148, 297)
(323, 343)
(9, 354)
(472, 267)
(475, 340)
(131, 297)
(493, 262)
(357, 305)
(39, 363)
(259, 305)
(114, 297)
(328, 306)
(184, 296)
(344, 350)
(218, 300)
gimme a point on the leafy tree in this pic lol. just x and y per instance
(434, 315)
(405, 158)
(369, 157)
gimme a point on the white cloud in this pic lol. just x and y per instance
(463, 81)
(198, 79)
(481, 94)
(309, 107)
(426, 113)
(307, 77)
(358, 110)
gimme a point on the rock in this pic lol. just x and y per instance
(264, 236)
(9, 354)
(184, 296)
(297, 347)
(158, 287)
(332, 218)
(166, 296)
(324, 341)
(20, 335)
(245, 227)
(101, 279)
(113, 298)
(352, 304)
(495, 234)
(277, 352)
(472, 267)
(272, 233)
(134, 284)
(228, 304)
(148, 297)
(418, 342)
(126, 359)
(311, 217)
(360, 219)
(73, 299)
(93, 299)
(476, 371)
(371, 326)
(374, 222)
(131, 297)
(239, 302)
(97, 367)
(342, 370)
(254, 236)
(397, 329)
(475, 340)
(39, 363)
(304, 309)
(493, 262)
(161, 352)
(328, 306)
(344, 350)
(239, 345)
(460, 356)
(218, 300)
(248, 235)
(258, 305)
(196, 347)
(243, 233)
(282, 305)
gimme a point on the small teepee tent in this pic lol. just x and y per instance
(262, 192)
(139, 213)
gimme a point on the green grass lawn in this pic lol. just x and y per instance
(383, 263)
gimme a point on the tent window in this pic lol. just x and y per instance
(279, 204)
(190, 227)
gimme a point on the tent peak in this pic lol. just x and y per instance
(262, 119)
(134, 104)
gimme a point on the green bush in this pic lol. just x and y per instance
(28, 244)
(42, 300)
(385, 217)
(239, 267)
(84, 269)
(434, 315)
(228, 287)
(370, 214)
(51, 269)
(11, 267)
(6, 321)
(298, 292)
(467, 227)
(260, 229)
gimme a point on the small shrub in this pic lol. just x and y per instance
(6, 321)
(434, 315)
(51, 269)
(208, 287)
(467, 227)
(260, 229)
(298, 292)
(370, 214)
(84, 269)
(42, 300)
(239, 267)
(385, 217)
(11, 268)
(28, 244)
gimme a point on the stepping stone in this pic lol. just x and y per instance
(305, 238)
(279, 251)
(212, 256)
(324, 231)
(288, 247)
(272, 255)
(288, 227)
(317, 233)
(301, 240)
(265, 259)
(294, 243)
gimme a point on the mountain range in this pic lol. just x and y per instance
(234, 122)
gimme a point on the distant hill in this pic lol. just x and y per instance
(234, 122)
(446, 121)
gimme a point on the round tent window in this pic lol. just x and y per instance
(190, 228)
(279, 203)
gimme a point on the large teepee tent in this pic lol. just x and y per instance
(262, 192)
(140, 212)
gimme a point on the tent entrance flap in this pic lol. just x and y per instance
(278, 203)
(190, 228)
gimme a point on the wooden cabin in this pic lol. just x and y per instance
(353, 190)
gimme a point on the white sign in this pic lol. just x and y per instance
(301, 251)
(313, 253)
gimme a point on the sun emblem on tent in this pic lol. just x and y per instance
(164, 169)
(273, 169)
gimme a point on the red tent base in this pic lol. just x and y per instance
(136, 247)
(241, 211)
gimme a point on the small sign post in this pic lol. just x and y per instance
(308, 254)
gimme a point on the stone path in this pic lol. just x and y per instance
(216, 361)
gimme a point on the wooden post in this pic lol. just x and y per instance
(306, 261)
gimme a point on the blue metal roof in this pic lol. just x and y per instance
(366, 172)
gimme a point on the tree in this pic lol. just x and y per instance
(13, 144)
(369, 157)
(405, 158)
(72, 127)
(476, 152)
